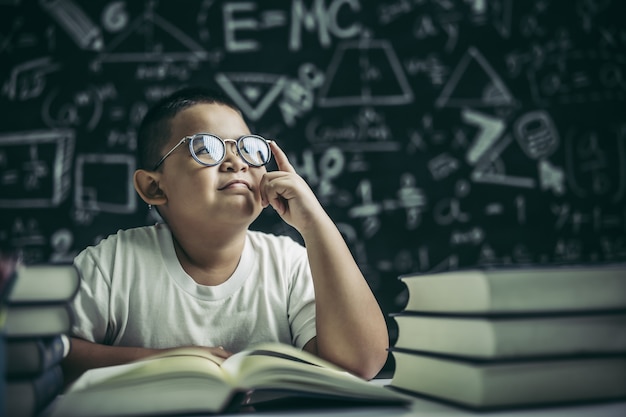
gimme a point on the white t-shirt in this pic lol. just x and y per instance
(134, 292)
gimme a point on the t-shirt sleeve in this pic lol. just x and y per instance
(301, 308)
(91, 304)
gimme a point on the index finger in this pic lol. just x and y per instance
(281, 158)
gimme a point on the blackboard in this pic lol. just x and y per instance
(437, 134)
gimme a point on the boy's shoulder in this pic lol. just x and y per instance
(260, 239)
(142, 235)
(271, 237)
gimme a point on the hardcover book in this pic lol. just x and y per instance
(27, 397)
(31, 320)
(489, 337)
(518, 290)
(514, 383)
(31, 356)
(44, 283)
(190, 380)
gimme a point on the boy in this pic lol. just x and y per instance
(203, 278)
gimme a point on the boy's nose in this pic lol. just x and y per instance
(231, 146)
(232, 158)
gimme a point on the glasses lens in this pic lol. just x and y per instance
(255, 150)
(208, 149)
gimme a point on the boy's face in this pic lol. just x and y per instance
(227, 193)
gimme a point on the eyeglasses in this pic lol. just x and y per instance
(210, 150)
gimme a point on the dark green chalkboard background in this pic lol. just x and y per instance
(438, 134)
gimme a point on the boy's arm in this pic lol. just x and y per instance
(351, 329)
(86, 355)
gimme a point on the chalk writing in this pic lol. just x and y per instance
(437, 134)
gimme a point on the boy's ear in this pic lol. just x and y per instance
(147, 186)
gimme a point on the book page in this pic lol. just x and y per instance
(172, 383)
(177, 362)
(261, 355)
(277, 367)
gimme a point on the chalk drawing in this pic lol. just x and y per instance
(83, 31)
(63, 108)
(442, 166)
(602, 220)
(254, 93)
(449, 263)
(536, 134)
(115, 17)
(520, 206)
(92, 194)
(28, 80)
(488, 256)
(368, 207)
(474, 83)
(490, 170)
(374, 62)
(489, 131)
(61, 243)
(592, 162)
(613, 248)
(11, 37)
(473, 236)
(568, 250)
(325, 19)
(430, 65)
(551, 177)
(493, 209)
(26, 231)
(597, 219)
(578, 77)
(412, 199)
(158, 39)
(299, 95)
(365, 131)
(502, 13)
(448, 210)
(35, 168)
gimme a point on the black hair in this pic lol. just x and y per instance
(154, 131)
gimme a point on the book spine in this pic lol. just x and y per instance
(63, 311)
(2, 370)
(43, 389)
(60, 283)
(33, 356)
(48, 386)
(53, 351)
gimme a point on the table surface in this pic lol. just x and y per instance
(421, 407)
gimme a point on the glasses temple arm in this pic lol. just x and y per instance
(158, 164)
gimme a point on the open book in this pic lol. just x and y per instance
(189, 380)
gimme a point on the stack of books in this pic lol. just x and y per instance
(509, 337)
(9, 259)
(38, 321)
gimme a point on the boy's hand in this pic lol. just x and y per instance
(289, 194)
(219, 351)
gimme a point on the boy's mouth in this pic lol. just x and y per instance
(235, 183)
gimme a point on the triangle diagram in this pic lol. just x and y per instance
(151, 38)
(254, 93)
(474, 83)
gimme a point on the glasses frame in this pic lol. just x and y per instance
(224, 141)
